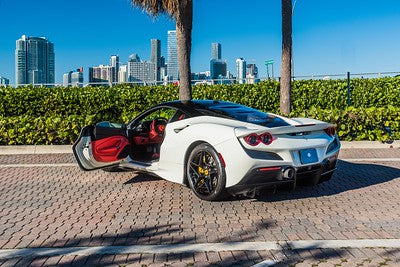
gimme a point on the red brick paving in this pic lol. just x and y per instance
(37, 158)
(63, 206)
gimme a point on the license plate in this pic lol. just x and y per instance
(308, 156)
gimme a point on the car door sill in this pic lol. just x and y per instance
(136, 165)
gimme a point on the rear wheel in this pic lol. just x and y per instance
(205, 173)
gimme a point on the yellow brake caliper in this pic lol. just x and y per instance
(202, 171)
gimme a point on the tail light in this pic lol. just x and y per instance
(330, 131)
(255, 139)
(252, 139)
(266, 138)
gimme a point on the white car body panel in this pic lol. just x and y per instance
(175, 145)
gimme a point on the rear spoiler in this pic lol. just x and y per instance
(244, 131)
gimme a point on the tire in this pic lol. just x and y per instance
(205, 173)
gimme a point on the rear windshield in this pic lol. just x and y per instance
(245, 114)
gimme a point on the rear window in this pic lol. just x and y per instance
(244, 114)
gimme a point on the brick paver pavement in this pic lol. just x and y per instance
(64, 207)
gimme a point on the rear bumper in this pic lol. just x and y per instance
(267, 177)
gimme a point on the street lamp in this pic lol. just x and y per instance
(267, 64)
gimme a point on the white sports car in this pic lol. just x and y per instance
(214, 147)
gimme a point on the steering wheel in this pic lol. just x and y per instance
(158, 125)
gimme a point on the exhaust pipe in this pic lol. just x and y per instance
(288, 173)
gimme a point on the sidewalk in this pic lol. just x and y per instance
(52, 213)
(65, 149)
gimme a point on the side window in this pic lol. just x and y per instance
(179, 115)
(154, 120)
(163, 113)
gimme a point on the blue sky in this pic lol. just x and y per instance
(328, 36)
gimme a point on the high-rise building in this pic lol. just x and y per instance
(251, 69)
(114, 63)
(67, 78)
(173, 66)
(162, 61)
(123, 74)
(155, 56)
(140, 71)
(73, 78)
(163, 69)
(4, 81)
(34, 61)
(216, 51)
(241, 70)
(134, 58)
(252, 74)
(77, 78)
(101, 75)
(217, 68)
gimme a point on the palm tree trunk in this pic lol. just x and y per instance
(184, 18)
(286, 66)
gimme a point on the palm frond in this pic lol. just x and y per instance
(156, 7)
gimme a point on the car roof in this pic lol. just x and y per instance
(228, 110)
(193, 106)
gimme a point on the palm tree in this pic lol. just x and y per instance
(286, 66)
(182, 12)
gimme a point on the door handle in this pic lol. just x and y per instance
(177, 130)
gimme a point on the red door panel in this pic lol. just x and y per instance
(109, 149)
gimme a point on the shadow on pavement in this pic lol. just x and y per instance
(348, 176)
(142, 177)
(139, 236)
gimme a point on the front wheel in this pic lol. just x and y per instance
(205, 173)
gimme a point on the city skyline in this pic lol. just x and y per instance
(328, 38)
(149, 71)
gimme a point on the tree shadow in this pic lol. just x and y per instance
(113, 250)
(104, 247)
(348, 176)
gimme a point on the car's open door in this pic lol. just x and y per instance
(103, 145)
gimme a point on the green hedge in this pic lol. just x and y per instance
(360, 123)
(351, 123)
(130, 100)
(43, 115)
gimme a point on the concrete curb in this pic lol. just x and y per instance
(369, 144)
(67, 149)
(35, 149)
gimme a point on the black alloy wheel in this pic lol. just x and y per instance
(205, 173)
